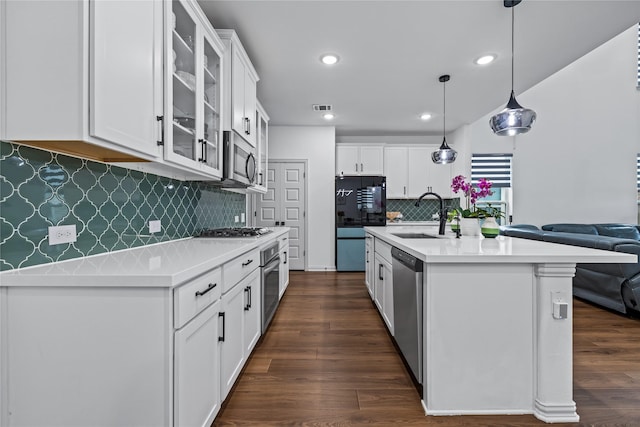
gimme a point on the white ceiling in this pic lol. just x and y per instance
(392, 53)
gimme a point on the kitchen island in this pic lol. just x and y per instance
(496, 321)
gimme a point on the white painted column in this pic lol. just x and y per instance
(554, 344)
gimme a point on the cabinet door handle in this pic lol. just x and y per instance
(201, 158)
(247, 125)
(367, 258)
(248, 304)
(361, 167)
(250, 296)
(380, 270)
(161, 133)
(281, 222)
(286, 257)
(356, 167)
(211, 286)
(249, 261)
(261, 179)
(223, 326)
(277, 222)
(404, 190)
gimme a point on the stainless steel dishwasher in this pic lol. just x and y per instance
(407, 308)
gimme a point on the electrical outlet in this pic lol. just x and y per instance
(62, 234)
(237, 219)
(155, 226)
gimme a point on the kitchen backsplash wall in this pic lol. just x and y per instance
(110, 206)
(424, 212)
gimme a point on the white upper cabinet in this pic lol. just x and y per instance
(262, 149)
(84, 77)
(410, 172)
(193, 93)
(359, 159)
(240, 96)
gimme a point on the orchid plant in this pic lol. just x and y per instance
(472, 195)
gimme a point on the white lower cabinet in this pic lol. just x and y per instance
(369, 264)
(231, 338)
(252, 311)
(284, 264)
(383, 282)
(197, 370)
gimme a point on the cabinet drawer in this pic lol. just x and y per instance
(193, 297)
(238, 268)
(383, 249)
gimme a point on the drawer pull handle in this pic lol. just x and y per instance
(249, 261)
(222, 337)
(211, 286)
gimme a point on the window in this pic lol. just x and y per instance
(497, 169)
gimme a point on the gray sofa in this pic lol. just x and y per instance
(615, 286)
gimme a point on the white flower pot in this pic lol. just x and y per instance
(469, 227)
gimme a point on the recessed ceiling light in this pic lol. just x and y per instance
(425, 116)
(328, 116)
(329, 58)
(485, 59)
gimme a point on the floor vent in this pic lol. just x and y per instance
(322, 107)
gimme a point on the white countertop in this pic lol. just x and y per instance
(164, 264)
(502, 249)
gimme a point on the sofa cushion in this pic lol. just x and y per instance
(625, 231)
(571, 228)
(525, 233)
(575, 239)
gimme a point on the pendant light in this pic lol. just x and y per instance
(444, 154)
(514, 119)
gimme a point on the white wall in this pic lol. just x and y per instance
(578, 163)
(316, 144)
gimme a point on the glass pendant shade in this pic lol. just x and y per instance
(513, 120)
(444, 154)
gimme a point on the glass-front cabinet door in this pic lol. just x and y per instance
(212, 132)
(262, 146)
(193, 95)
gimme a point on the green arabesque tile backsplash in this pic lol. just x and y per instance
(109, 205)
(424, 212)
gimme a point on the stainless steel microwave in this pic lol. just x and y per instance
(239, 164)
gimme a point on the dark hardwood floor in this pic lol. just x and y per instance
(327, 360)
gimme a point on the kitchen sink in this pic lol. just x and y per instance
(415, 235)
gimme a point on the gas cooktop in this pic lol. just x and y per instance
(233, 232)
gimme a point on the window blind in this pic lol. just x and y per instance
(494, 167)
(638, 171)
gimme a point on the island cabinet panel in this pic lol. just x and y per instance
(490, 311)
(81, 356)
(383, 282)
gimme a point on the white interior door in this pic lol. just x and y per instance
(284, 205)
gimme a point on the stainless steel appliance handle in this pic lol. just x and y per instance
(272, 265)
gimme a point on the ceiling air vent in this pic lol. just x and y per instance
(322, 107)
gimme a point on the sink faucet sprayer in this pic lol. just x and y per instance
(442, 213)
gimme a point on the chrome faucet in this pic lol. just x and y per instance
(442, 213)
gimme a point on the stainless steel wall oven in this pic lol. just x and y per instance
(270, 272)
